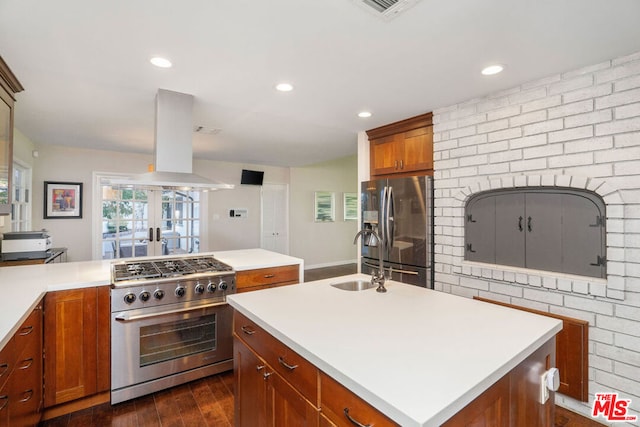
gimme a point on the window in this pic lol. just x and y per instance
(148, 222)
(21, 203)
(552, 229)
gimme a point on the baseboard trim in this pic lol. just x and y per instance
(76, 405)
(330, 264)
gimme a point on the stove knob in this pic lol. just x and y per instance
(144, 296)
(158, 294)
(211, 287)
(180, 291)
(199, 288)
(129, 298)
(223, 285)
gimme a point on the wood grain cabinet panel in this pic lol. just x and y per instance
(571, 354)
(402, 148)
(76, 344)
(264, 397)
(21, 389)
(263, 278)
(338, 404)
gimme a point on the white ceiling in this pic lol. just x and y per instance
(88, 82)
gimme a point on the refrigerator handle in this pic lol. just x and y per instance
(382, 219)
(389, 225)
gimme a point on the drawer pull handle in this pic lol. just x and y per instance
(25, 331)
(259, 368)
(247, 330)
(29, 394)
(4, 367)
(5, 403)
(354, 422)
(269, 276)
(28, 363)
(266, 375)
(285, 364)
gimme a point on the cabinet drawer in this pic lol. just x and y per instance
(30, 331)
(299, 372)
(267, 276)
(335, 398)
(7, 359)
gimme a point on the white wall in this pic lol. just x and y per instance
(322, 243)
(577, 129)
(318, 244)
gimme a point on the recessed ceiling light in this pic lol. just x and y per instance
(161, 62)
(364, 114)
(492, 69)
(284, 87)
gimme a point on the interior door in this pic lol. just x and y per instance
(275, 212)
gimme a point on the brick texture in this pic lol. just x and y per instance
(580, 129)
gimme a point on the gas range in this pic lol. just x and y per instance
(153, 282)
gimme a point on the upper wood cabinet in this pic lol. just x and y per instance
(9, 86)
(402, 148)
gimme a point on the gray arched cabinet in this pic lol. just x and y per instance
(553, 229)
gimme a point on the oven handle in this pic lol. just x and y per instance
(126, 317)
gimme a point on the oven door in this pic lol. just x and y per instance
(151, 343)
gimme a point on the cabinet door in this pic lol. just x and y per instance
(583, 239)
(480, 230)
(71, 345)
(285, 406)
(417, 150)
(385, 154)
(250, 392)
(510, 229)
(544, 231)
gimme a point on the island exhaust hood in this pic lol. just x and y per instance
(173, 148)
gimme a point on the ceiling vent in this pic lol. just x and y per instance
(387, 9)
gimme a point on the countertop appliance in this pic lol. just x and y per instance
(25, 245)
(170, 323)
(400, 211)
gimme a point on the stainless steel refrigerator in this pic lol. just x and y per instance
(400, 211)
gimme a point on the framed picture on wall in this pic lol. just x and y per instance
(350, 201)
(324, 209)
(62, 200)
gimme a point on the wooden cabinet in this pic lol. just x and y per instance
(514, 399)
(402, 148)
(9, 86)
(262, 278)
(274, 385)
(21, 374)
(342, 408)
(76, 342)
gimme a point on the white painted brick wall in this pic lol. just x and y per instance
(579, 129)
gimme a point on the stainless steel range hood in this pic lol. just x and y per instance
(173, 149)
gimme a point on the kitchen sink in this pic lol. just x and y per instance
(354, 285)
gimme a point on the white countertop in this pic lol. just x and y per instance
(417, 355)
(22, 287)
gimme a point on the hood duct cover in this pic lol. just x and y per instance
(173, 148)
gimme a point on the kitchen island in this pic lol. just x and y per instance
(416, 355)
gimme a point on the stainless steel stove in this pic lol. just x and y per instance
(170, 323)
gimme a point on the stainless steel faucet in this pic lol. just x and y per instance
(377, 278)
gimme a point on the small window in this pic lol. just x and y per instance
(552, 229)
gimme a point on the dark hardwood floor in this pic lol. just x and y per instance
(209, 401)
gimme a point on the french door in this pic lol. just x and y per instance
(140, 222)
